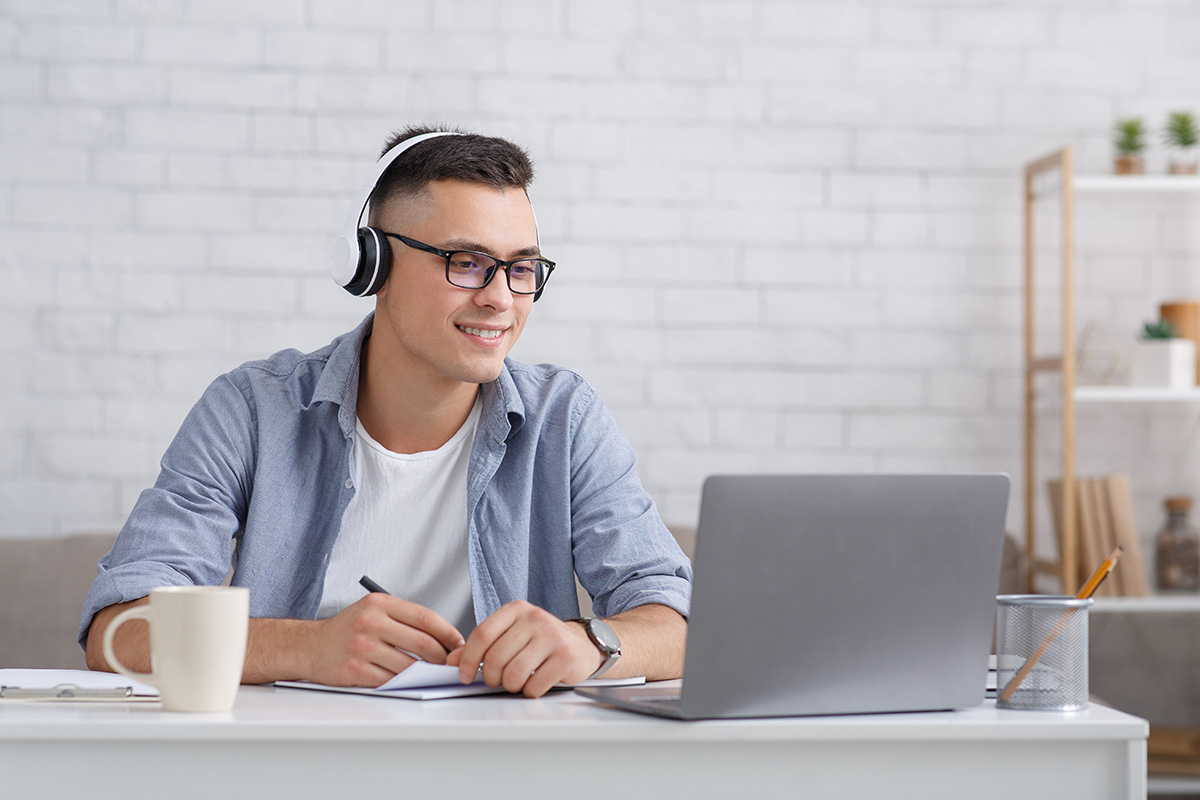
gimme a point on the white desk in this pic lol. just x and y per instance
(297, 744)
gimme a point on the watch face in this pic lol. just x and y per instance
(604, 635)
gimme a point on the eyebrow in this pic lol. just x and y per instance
(476, 247)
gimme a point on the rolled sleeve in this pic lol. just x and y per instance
(181, 530)
(624, 555)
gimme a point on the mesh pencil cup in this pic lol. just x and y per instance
(1042, 646)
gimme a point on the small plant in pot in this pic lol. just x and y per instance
(1161, 358)
(1182, 136)
(1130, 142)
(1158, 330)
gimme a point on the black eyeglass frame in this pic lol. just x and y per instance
(499, 264)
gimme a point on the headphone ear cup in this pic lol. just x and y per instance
(374, 263)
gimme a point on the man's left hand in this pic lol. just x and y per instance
(526, 649)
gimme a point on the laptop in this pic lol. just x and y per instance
(836, 594)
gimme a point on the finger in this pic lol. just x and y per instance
(481, 639)
(427, 621)
(416, 630)
(368, 661)
(386, 664)
(508, 647)
(454, 656)
(547, 675)
(524, 670)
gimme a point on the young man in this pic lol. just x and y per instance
(470, 486)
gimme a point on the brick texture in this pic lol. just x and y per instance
(788, 232)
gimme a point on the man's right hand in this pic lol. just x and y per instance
(369, 642)
(357, 647)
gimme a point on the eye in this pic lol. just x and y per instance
(466, 262)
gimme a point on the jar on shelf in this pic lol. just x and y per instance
(1177, 562)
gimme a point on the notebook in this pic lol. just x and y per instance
(837, 594)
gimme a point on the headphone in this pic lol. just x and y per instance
(361, 256)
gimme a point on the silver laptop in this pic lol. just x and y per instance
(837, 594)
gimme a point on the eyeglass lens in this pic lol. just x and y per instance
(473, 270)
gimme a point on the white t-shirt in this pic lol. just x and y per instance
(406, 528)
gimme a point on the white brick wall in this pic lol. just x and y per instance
(788, 232)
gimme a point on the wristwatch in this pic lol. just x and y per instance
(605, 639)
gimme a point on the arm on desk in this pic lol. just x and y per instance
(357, 647)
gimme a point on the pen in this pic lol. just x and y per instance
(1089, 588)
(372, 586)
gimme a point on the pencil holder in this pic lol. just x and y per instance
(1041, 652)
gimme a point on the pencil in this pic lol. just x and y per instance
(1093, 583)
(1089, 588)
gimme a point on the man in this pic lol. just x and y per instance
(413, 450)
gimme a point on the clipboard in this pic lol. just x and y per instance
(72, 685)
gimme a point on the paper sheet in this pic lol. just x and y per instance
(425, 681)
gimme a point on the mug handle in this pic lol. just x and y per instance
(137, 612)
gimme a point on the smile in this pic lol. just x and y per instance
(482, 333)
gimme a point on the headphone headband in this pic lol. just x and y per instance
(345, 261)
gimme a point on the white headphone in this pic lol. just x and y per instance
(361, 256)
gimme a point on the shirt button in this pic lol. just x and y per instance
(349, 483)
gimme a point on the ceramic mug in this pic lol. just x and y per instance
(197, 644)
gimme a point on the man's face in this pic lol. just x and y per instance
(436, 332)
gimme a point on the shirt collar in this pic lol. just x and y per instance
(503, 411)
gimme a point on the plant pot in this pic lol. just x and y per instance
(1129, 165)
(1182, 164)
(1164, 362)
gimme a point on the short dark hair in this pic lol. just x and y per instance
(470, 157)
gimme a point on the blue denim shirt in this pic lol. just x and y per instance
(262, 470)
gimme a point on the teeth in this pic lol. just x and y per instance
(482, 333)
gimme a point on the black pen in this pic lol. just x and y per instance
(371, 586)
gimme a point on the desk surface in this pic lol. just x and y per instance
(306, 741)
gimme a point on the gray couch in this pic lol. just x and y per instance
(42, 586)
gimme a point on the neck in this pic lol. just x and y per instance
(408, 416)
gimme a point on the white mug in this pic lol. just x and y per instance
(197, 644)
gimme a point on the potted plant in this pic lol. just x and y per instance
(1182, 135)
(1130, 142)
(1162, 359)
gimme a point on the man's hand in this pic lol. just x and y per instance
(526, 649)
(369, 642)
(357, 647)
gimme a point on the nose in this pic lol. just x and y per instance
(496, 294)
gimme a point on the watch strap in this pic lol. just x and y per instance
(611, 654)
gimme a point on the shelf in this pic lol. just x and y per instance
(1157, 603)
(1135, 394)
(1127, 184)
(1137, 183)
(1172, 784)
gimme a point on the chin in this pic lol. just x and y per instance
(481, 374)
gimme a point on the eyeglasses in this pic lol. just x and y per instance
(467, 269)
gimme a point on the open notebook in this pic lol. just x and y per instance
(425, 681)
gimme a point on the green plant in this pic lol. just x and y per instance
(1182, 130)
(1130, 136)
(1158, 330)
